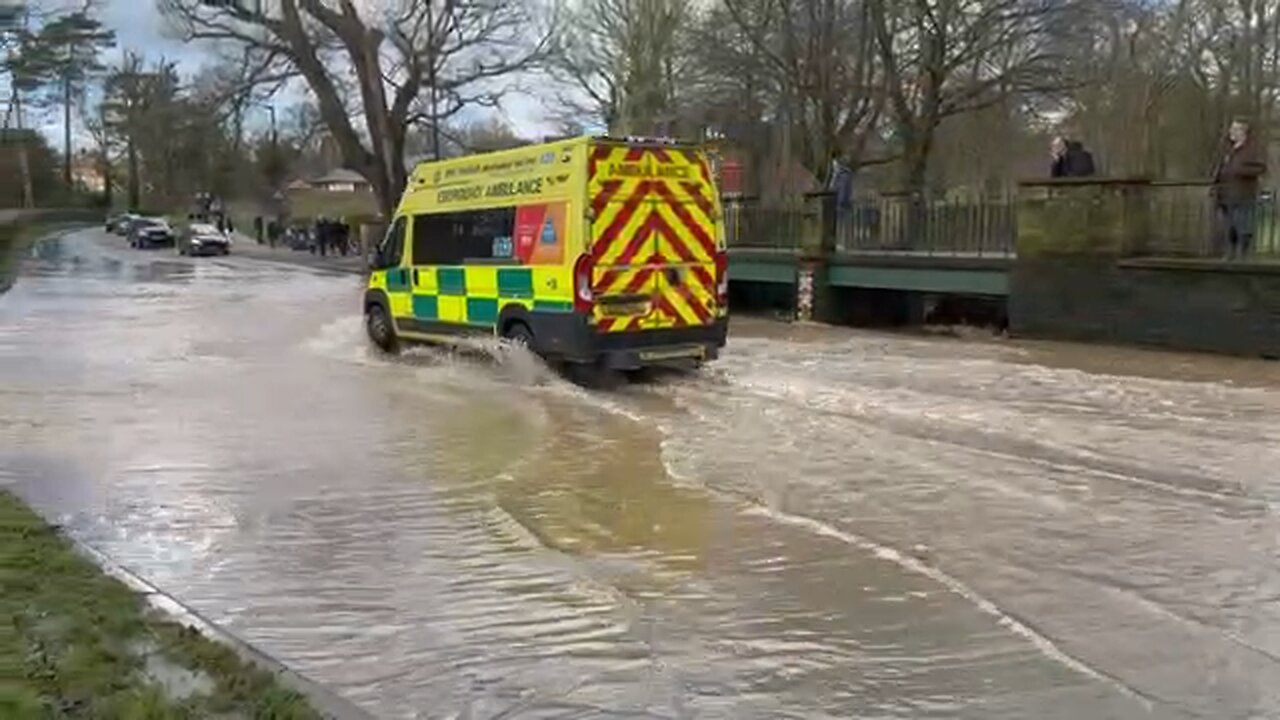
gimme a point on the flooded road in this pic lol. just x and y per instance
(825, 524)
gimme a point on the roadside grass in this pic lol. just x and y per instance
(76, 643)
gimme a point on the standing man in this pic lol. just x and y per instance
(1235, 189)
(1069, 159)
(342, 233)
(317, 236)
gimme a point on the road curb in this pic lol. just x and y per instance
(322, 700)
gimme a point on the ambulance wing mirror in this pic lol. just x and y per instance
(387, 253)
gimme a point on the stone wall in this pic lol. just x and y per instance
(1189, 305)
(1085, 271)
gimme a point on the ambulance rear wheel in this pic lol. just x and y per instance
(517, 333)
(377, 323)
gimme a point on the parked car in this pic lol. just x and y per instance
(203, 239)
(150, 232)
(119, 224)
(299, 238)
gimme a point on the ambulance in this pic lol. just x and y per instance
(593, 251)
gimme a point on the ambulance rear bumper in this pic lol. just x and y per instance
(569, 337)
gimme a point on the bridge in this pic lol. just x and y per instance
(1096, 259)
(891, 243)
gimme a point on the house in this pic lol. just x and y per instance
(339, 193)
(341, 180)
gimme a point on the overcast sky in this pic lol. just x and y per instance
(140, 28)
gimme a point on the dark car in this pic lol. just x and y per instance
(110, 225)
(119, 224)
(299, 237)
(150, 232)
(203, 239)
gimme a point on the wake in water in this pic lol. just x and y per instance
(344, 339)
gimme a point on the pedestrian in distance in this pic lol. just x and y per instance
(320, 239)
(1069, 159)
(342, 235)
(1235, 190)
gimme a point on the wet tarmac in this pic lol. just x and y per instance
(825, 524)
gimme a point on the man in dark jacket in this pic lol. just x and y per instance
(1235, 189)
(1070, 159)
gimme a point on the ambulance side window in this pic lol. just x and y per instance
(460, 237)
(429, 235)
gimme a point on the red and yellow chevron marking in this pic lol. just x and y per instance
(653, 211)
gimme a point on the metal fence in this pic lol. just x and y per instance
(1185, 221)
(750, 224)
(915, 226)
(1179, 220)
(890, 224)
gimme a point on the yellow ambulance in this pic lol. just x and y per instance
(595, 250)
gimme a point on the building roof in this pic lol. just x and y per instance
(340, 175)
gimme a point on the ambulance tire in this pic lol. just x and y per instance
(377, 323)
(517, 333)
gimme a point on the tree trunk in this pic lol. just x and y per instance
(66, 131)
(24, 163)
(135, 189)
(108, 189)
(24, 167)
(917, 171)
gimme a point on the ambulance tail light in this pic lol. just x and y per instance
(722, 278)
(583, 298)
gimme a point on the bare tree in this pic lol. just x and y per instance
(947, 57)
(626, 62)
(484, 136)
(1167, 77)
(94, 120)
(458, 53)
(127, 98)
(817, 60)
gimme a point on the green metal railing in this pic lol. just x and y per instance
(1178, 219)
(914, 226)
(750, 224)
(883, 225)
(1185, 220)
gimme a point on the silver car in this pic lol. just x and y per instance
(203, 239)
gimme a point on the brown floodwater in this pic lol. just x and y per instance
(826, 523)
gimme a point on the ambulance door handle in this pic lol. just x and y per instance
(415, 277)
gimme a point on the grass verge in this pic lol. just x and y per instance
(76, 643)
